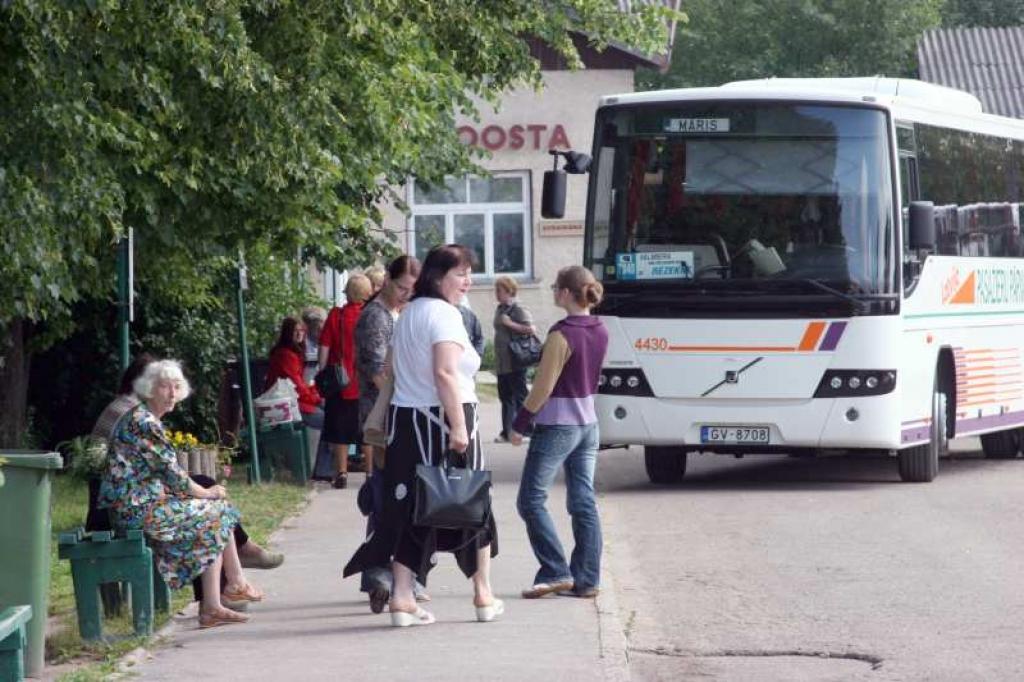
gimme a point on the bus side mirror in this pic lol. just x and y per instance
(552, 202)
(576, 163)
(922, 225)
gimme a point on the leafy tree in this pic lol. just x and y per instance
(983, 13)
(796, 38)
(276, 125)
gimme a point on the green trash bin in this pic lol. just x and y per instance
(25, 541)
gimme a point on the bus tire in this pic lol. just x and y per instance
(664, 465)
(920, 464)
(1001, 444)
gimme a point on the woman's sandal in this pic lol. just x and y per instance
(485, 614)
(250, 593)
(403, 619)
(222, 617)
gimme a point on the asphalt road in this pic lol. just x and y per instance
(772, 568)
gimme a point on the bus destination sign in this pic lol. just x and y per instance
(697, 125)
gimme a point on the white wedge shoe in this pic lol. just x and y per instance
(485, 614)
(403, 619)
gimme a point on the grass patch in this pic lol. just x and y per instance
(263, 509)
(487, 393)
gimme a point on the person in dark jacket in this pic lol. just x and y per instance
(510, 320)
(473, 328)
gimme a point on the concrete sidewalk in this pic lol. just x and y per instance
(315, 626)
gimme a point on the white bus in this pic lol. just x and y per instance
(805, 266)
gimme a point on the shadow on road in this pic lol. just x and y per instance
(775, 472)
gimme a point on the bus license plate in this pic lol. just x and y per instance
(734, 435)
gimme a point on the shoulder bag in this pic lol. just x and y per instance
(332, 379)
(525, 350)
(451, 497)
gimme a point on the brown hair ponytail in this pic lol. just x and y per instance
(586, 290)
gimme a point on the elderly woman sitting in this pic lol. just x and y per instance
(189, 528)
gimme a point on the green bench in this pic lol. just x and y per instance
(101, 557)
(284, 452)
(12, 642)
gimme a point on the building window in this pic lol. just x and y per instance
(489, 215)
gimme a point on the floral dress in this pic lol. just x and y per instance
(145, 488)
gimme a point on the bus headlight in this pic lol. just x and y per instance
(624, 382)
(838, 383)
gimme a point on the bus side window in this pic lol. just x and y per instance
(908, 177)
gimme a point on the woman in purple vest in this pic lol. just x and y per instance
(561, 409)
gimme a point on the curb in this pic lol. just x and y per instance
(613, 644)
(611, 634)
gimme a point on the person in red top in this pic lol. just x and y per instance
(286, 361)
(337, 346)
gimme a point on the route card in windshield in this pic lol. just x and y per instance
(654, 265)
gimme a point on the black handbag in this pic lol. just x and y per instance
(451, 497)
(525, 350)
(331, 380)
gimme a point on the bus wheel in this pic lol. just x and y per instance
(1001, 444)
(920, 464)
(664, 464)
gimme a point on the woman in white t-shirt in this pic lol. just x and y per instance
(434, 365)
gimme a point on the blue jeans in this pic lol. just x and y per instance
(575, 449)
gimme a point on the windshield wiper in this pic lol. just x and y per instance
(861, 302)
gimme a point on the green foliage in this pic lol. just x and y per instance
(269, 126)
(487, 361)
(206, 337)
(983, 13)
(87, 457)
(256, 123)
(795, 38)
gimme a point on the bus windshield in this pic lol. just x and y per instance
(786, 202)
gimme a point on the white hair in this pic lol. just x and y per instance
(161, 370)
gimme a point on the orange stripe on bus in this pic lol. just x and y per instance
(731, 349)
(811, 336)
(982, 368)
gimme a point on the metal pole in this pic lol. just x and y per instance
(123, 294)
(250, 413)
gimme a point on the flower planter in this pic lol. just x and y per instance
(200, 461)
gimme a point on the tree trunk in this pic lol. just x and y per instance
(14, 370)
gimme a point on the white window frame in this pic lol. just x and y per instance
(488, 210)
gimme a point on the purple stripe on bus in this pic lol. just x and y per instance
(916, 434)
(832, 336)
(922, 434)
(979, 423)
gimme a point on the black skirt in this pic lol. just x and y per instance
(341, 421)
(415, 439)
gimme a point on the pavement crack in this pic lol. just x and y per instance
(874, 661)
